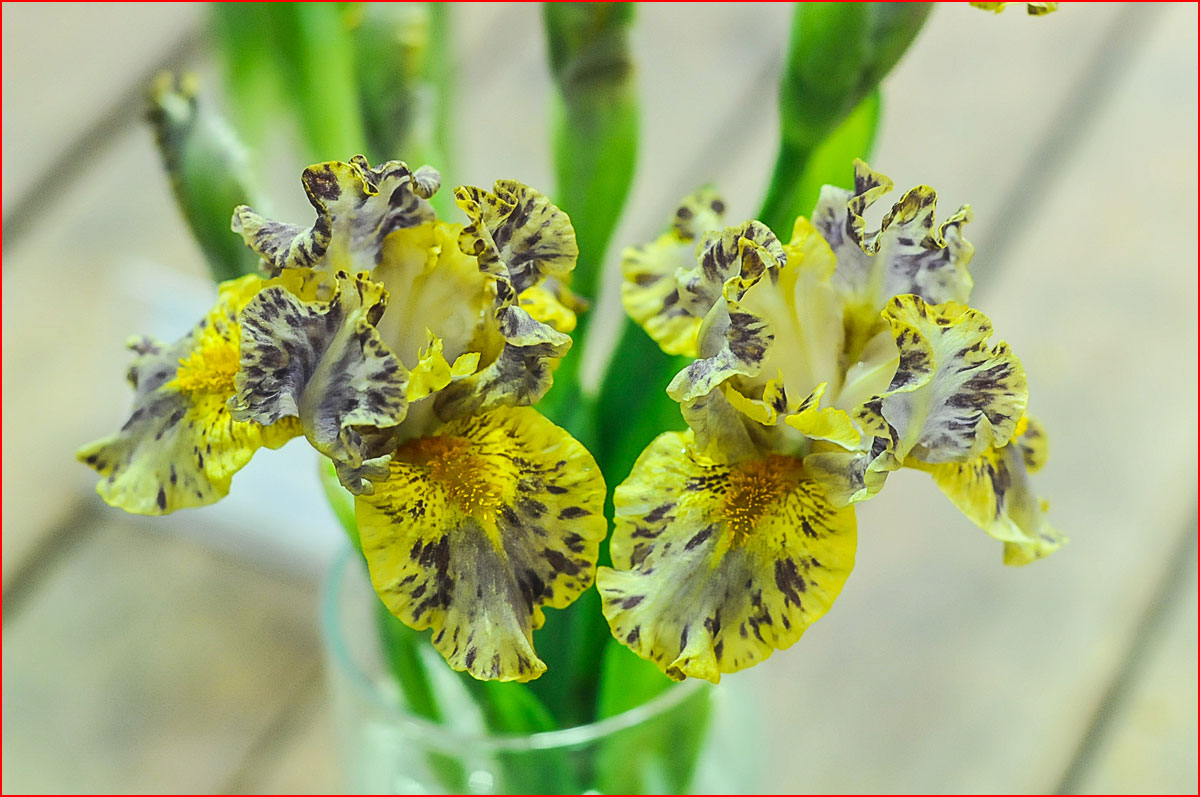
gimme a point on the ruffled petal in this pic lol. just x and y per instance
(357, 207)
(727, 265)
(766, 409)
(804, 314)
(717, 566)
(994, 492)
(322, 362)
(555, 307)
(650, 291)
(952, 396)
(433, 286)
(732, 342)
(517, 234)
(908, 254)
(479, 527)
(721, 431)
(180, 446)
(519, 240)
(519, 376)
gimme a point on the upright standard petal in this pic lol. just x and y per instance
(521, 241)
(322, 363)
(908, 254)
(716, 566)
(732, 341)
(650, 290)
(952, 396)
(357, 208)
(479, 527)
(517, 233)
(181, 446)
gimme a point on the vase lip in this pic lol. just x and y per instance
(442, 735)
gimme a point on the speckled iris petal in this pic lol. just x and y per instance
(180, 446)
(650, 289)
(519, 240)
(910, 253)
(849, 477)
(994, 491)
(721, 431)
(357, 207)
(517, 234)
(323, 363)
(732, 341)
(551, 303)
(480, 526)
(519, 376)
(717, 566)
(953, 395)
(804, 314)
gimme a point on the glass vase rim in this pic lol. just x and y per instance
(441, 735)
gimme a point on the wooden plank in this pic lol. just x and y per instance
(300, 757)
(146, 664)
(66, 65)
(1152, 747)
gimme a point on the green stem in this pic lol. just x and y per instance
(828, 97)
(317, 59)
(778, 207)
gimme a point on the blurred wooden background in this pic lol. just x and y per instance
(183, 654)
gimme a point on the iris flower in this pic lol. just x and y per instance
(821, 365)
(408, 351)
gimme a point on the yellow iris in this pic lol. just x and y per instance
(405, 349)
(823, 364)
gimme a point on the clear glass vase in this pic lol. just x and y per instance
(686, 739)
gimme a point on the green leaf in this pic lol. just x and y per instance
(317, 62)
(510, 708)
(208, 170)
(513, 709)
(627, 680)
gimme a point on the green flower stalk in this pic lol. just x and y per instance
(594, 129)
(402, 67)
(207, 168)
(595, 122)
(837, 54)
